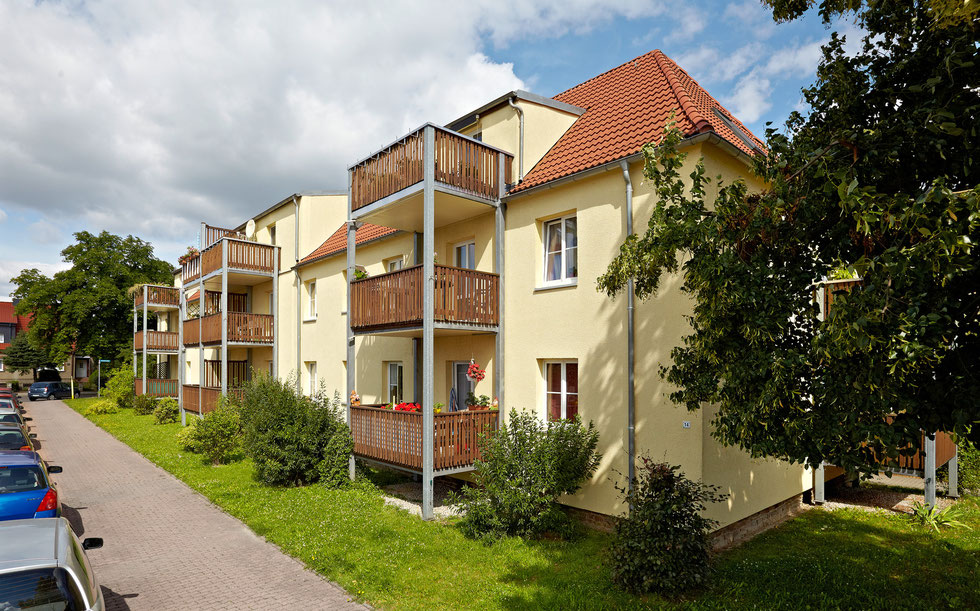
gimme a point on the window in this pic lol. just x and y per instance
(311, 293)
(271, 373)
(3, 337)
(1, 364)
(395, 264)
(464, 255)
(561, 389)
(462, 386)
(272, 303)
(311, 373)
(394, 392)
(561, 250)
(272, 235)
(478, 136)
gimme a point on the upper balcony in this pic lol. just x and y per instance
(464, 298)
(386, 186)
(157, 297)
(244, 328)
(242, 256)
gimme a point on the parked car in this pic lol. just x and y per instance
(16, 437)
(50, 390)
(25, 489)
(43, 566)
(13, 416)
(6, 394)
(8, 403)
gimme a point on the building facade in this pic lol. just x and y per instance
(479, 243)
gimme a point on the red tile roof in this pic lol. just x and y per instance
(7, 314)
(626, 108)
(337, 242)
(23, 322)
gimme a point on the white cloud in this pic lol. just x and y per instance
(3, 215)
(147, 117)
(751, 98)
(10, 269)
(687, 29)
(44, 231)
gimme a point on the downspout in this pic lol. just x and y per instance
(299, 293)
(520, 162)
(631, 361)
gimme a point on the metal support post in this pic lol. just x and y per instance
(499, 226)
(819, 495)
(275, 314)
(351, 258)
(224, 317)
(145, 332)
(929, 447)
(200, 342)
(180, 354)
(428, 325)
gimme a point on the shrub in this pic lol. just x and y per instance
(119, 387)
(662, 545)
(293, 439)
(968, 466)
(144, 405)
(104, 406)
(218, 435)
(186, 440)
(15, 386)
(525, 467)
(167, 411)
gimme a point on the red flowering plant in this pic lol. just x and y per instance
(474, 372)
(408, 407)
(190, 254)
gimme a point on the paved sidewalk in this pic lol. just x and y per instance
(166, 546)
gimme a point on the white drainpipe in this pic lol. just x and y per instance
(520, 162)
(630, 348)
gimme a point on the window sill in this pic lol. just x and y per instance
(557, 285)
(313, 319)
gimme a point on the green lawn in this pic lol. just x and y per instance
(396, 561)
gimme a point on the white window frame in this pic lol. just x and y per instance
(394, 265)
(311, 374)
(394, 369)
(564, 386)
(1, 364)
(563, 279)
(311, 300)
(459, 245)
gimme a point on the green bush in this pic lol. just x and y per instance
(293, 439)
(144, 405)
(186, 440)
(218, 435)
(119, 387)
(167, 411)
(15, 386)
(104, 406)
(525, 467)
(968, 467)
(662, 545)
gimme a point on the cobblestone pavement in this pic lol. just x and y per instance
(166, 546)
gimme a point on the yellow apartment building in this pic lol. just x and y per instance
(475, 242)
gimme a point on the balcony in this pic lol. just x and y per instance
(156, 387)
(165, 296)
(202, 400)
(243, 328)
(243, 257)
(157, 341)
(463, 298)
(395, 438)
(473, 172)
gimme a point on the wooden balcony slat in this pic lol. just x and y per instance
(159, 295)
(157, 387)
(244, 327)
(156, 340)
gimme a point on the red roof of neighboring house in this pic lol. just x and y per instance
(7, 314)
(23, 322)
(337, 242)
(628, 107)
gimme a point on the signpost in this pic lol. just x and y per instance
(99, 385)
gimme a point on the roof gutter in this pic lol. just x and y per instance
(709, 137)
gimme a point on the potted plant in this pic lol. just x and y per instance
(190, 254)
(477, 403)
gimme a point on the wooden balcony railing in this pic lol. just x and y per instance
(460, 162)
(213, 234)
(396, 437)
(243, 327)
(156, 340)
(202, 400)
(242, 255)
(394, 299)
(157, 388)
(159, 295)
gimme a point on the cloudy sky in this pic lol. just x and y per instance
(147, 117)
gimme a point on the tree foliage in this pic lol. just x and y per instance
(85, 309)
(22, 355)
(880, 177)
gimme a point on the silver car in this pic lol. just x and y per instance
(43, 566)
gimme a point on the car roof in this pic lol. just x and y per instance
(9, 425)
(33, 542)
(16, 458)
(9, 409)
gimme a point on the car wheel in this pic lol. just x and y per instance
(51, 397)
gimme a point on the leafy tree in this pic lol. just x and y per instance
(85, 309)
(23, 356)
(880, 177)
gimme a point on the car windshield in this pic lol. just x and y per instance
(11, 418)
(7, 402)
(21, 478)
(12, 439)
(37, 589)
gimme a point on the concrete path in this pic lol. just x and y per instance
(166, 546)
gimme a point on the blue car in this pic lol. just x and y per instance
(25, 490)
(50, 390)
